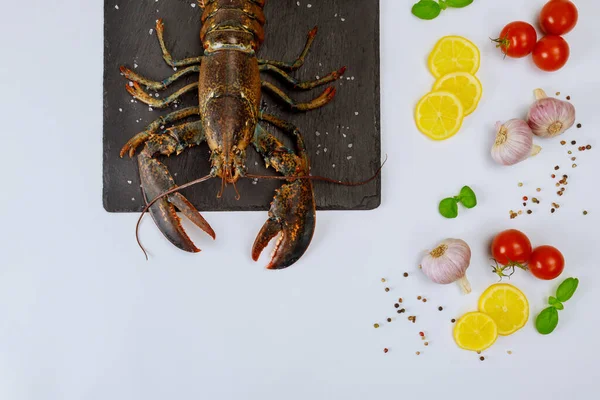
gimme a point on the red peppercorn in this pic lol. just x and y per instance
(422, 334)
(385, 350)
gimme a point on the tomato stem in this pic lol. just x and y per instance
(501, 270)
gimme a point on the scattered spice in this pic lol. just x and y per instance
(585, 212)
(424, 300)
(568, 97)
(538, 189)
(574, 165)
(421, 334)
(482, 358)
(525, 198)
(589, 147)
(382, 279)
(401, 311)
(529, 211)
(569, 152)
(389, 320)
(558, 93)
(376, 326)
(579, 125)
(552, 211)
(418, 353)
(478, 351)
(520, 184)
(535, 201)
(406, 274)
(553, 176)
(412, 319)
(400, 300)
(397, 305)
(426, 343)
(385, 350)
(419, 297)
(387, 289)
(453, 320)
(440, 308)
(509, 352)
(556, 168)
(573, 142)
(563, 142)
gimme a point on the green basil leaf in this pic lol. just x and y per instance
(443, 4)
(558, 305)
(552, 300)
(426, 9)
(458, 3)
(566, 289)
(467, 197)
(449, 208)
(547, 321)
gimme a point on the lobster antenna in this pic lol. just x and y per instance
(321, 178)
(160, 196)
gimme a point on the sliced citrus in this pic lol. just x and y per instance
(475, 331)
(439, 115)
(454, 54)
(463, 85)
(507, 305)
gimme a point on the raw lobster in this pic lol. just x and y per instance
(229, 88)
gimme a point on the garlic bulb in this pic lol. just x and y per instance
(448, 263)
(514, 142)
(549, 117)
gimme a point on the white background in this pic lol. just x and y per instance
(84, 316)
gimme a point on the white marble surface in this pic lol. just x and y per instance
(84, 316)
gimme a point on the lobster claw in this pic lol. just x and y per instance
(293, 216)
(156, 180)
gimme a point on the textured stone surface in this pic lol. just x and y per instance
(343, 138)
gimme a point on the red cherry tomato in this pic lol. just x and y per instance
(546, 263)
(551, 53)
(511, 247)
(558, 17)
(517, 39)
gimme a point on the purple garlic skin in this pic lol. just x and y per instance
(549, 117)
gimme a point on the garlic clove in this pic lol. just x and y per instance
(513, 143)
(448, 263)
(549, 117)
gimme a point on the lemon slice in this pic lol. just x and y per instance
(475, 331)
(463, 85)
(454, 54)
(439, 115)
(507, 305)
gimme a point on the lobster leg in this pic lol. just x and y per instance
(293, 212)
(160, 28)
(156, 180)
(139, 93)
(154, 127)
(318, 102)
(287, 66)
(155, 85)
(296, 84)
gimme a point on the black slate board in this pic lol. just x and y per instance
(344, 133)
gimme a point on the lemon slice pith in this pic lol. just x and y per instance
(475, 331)
(463, 85)
(507, 306)
(439, 115)
(454, 54)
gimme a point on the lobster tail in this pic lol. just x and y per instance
(233, 22)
